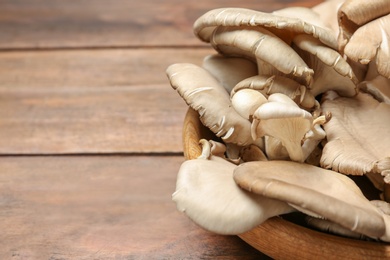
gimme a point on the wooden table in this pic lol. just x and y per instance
(90, 129)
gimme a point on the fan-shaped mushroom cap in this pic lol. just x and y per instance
(283, 119)
(203, 93)
(229, 70)
(315, 191)
(354, 13)
(207, 193)
(262, 46)
(331, 71)
(283, 27)
(358, 136)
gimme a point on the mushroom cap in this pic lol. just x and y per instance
(358, 135)
(207, 193)
(246, 101)
(262, 46)
(229, 70)
(313, 190)
(205, 94)
(371, 42)
(354, 13)
(283, 26)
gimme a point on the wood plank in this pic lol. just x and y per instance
(97, 23)
(134, 119)
(101, 207)
(91, 101)
(93, 68)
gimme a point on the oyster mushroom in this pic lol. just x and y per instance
(255, 43)
(208, 195)
(268, 85)
(203, 93)
(355, 13)
(246, 101)
(229, 70)
(282, 26)
(314, 191)
(371, 42)
(364, 32)
(281, 118)
(358, 136)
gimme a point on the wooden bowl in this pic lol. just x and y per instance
(280, 237)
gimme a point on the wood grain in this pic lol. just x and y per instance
(101, 207)
(93, 68)
(134, 119)
(120, 23)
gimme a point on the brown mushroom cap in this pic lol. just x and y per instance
(315, 191)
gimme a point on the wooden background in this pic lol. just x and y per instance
(90, 129)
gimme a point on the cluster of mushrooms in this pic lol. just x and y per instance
(299, 100)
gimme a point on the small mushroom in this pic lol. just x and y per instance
(268, 85)
(208, 195)
(203, 93)
(229, 70)
(281, 118)
(314, 191)
(246, 101)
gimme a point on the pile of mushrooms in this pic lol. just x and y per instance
(299, 100)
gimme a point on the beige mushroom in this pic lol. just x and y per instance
(268, 85)
(358, 136)
(255, 43)
(203, 93)
(229, 70)
(314, 191)
(355, 13)
(246, 101)
(371, 42)
(208, 195)
(281, 118)
(284, 27)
